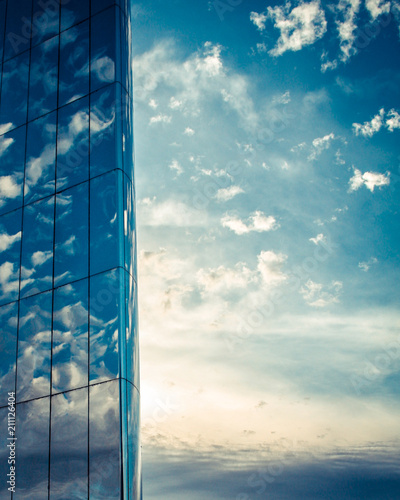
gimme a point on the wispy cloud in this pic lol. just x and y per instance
(226, 194)
(370, 180)
(257, 222)
(318, 295)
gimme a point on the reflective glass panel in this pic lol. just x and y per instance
(70, 337)
(33, 450)
(37, 247)
(45, 20)
(106, 222)
(103, 48)
(107, 328)
(73, 12)
(129, 227)
(99, 5)
(43, 78)
(2, 25)
(12, 160)
(4, 454)
(74, 63)
(69, 446)
(105, 130)
(8, 349)
(132, 337)
(34, 342)
(127, 135)
(104, 432)
(15, 86)
(10, 253)
(73, 144)
(40, 168)
(133, 465)
(72, 235)
(18, 27)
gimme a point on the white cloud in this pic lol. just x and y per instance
(299, 27)
(226, 194)
(282, 98)
(104, 68)
(377, 8)
(365, 266)
(270, 267)
(320, 238)
(5, 127)
(347, 28)
(369, 179)
(174, 165)
(223, 279)
(259, 20)
(160, 119)
(368, 129)
(318, 295)
(175, 103)
(9, 188)
(39, 258)
(153, 104)
(168, 213)
(7, 240)
(257, 222)
(189, 131)
(393, 121)
(320, 144)
(5, 143)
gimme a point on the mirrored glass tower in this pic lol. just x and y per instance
(69, 364)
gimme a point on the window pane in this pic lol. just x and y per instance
(72, 235)
(33, 449)
(34, 342)
(18, 27)
(73, 144)
(2, 25)
(98, 5)
(103, 48)
(106, 222)
(73, 12)
(107, 329)
(104, 432)
(10, 253)
(15, 87)
(70, 337)
(43, 78)
(129, 227)
(40, 169)
(69, 446)
(4, 454)
(134, 469)
(74, 63)
(105, 130)
(45, 20)
(12, 160)
(37, 247)
(8, 349)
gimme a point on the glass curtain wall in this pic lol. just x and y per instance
(68, 307)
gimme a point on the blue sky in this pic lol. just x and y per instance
(267, 182)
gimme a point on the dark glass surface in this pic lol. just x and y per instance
(105, 130)
(134, 469)
(18, 27)
(127, 136)
(43, 78)
(99, 5)
(73, 144)
(69, 446)
(106, 222)
(73, 12)
(104, 48)
(2, 26)
(72, 235)
(8, 349)
(33, 450)
(74, 63)
(104, 451)
(45, 20)
(10, 253)
(40, 168)
(12, 160)
(70, 337)
(107, 326)
(34, 342)
(132, 338)
(15, 86)
(4, 454)
(37, 247)
(129, 226)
